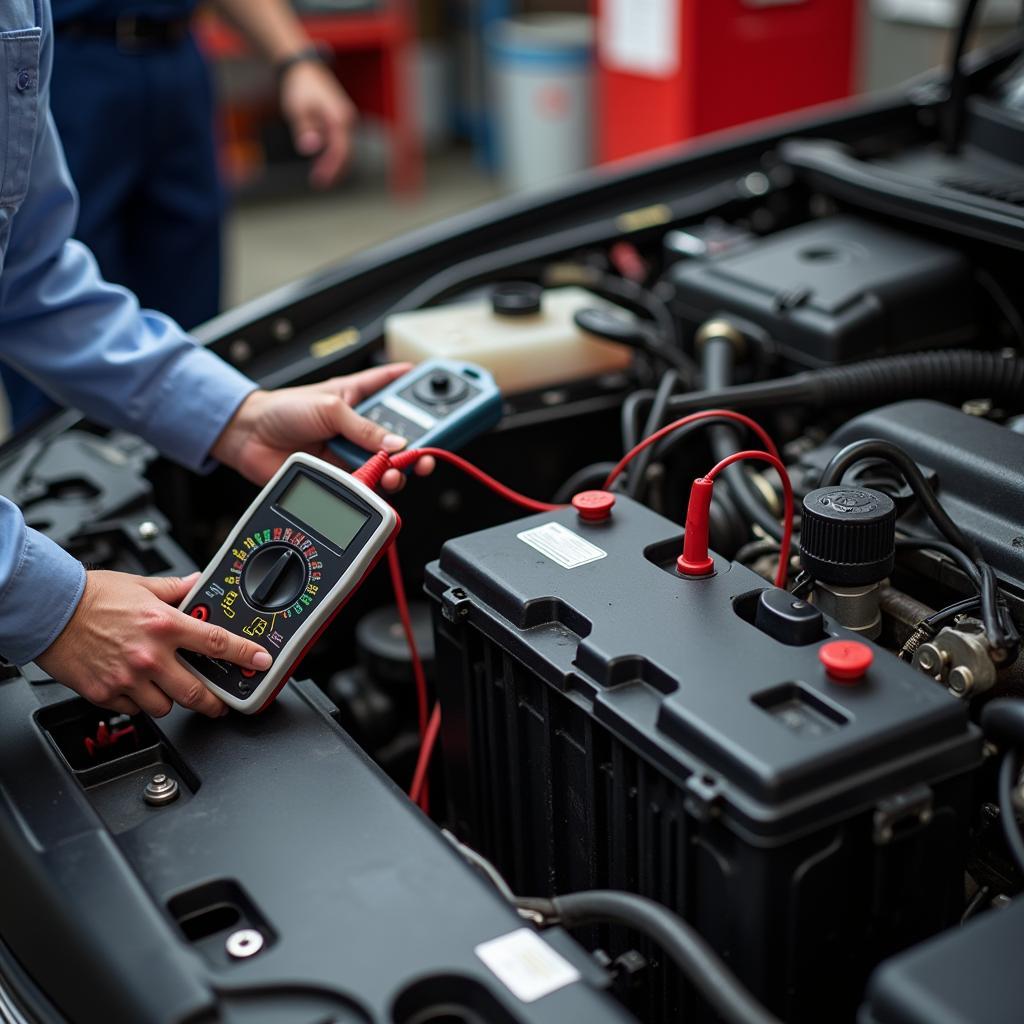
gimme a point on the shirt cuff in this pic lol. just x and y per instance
(39, 599)
(198, 395)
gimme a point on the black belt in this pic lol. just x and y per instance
(132, 33)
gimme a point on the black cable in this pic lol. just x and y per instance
(938, 619)
(636, 474)
(999, 635)
(583, 479)
(631, 409)
(1009, 773)
(692, 954)
(717, 365)
(953, 120)
(951, 551)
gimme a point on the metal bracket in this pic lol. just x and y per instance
(899, 815)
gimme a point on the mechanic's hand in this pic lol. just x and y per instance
(270, 425)
(321, 118)
(117, 650)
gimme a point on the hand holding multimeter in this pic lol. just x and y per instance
(300, 551)
(314, 533)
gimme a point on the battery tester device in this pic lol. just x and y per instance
(300, 551)
(442, 402)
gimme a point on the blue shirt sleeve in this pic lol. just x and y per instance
(40, 587)
(84, 341)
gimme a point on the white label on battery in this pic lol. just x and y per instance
(527, 965)
(561, 545)
(640, 37)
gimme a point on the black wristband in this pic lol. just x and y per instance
(310, 54)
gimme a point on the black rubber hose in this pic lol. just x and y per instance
(1009, 772)
(637, 472)
(708, 973)
(949, 374)
(717, 365)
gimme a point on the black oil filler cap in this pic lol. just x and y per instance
(788, 619)
(848, 535)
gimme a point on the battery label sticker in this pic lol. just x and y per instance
(527, 966)
(561, 545)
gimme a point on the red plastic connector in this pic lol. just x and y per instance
(695, 560)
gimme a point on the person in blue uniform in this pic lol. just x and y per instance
(112, 636)
(133, 103)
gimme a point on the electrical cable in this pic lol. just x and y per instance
(419, 778)
(584, 479)
(418, 673)
(951, 551)
(1001, 631)
(1009, 774)
(685, 421)
(953, 120)
(638, 471)
(717, 364)
(787, 491)
(371, 472)
(691, 953)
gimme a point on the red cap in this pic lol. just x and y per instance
(846, 661)
(594, 506)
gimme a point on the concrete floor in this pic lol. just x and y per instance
(271, 242)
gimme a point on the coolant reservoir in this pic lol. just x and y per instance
(523, 334)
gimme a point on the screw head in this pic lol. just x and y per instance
(244, 943)
(929, 658)
(161, 789)
(148, 530)
(960, 681)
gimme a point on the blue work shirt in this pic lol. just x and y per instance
(82, 340)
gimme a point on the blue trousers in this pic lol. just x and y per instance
(138, 133)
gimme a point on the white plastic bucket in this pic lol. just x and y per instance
(541, 79)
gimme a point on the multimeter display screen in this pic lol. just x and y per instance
(332, 517)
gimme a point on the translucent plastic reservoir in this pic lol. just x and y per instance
(523, 351)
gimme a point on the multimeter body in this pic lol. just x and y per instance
(442, 402)
(300, 551)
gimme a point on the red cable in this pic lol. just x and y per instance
(404, 459)
(422, 797)
(787, 490)
(695, 417)
(419, 779)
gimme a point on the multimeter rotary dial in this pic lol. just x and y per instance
(274, 577)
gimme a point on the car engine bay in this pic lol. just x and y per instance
(796, 726)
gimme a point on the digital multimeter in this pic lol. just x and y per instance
(300, 551)
(441, 402)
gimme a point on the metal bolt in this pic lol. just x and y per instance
(283, 329)
(244, 943)
(240, 350)
(149, 530)
(929, 658)
(960, 681)
(977, 406)
(160, 790)
(756, 183)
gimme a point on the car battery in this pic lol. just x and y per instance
(610, 723)
(247, 870)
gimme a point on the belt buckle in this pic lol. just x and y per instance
(126, 32)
